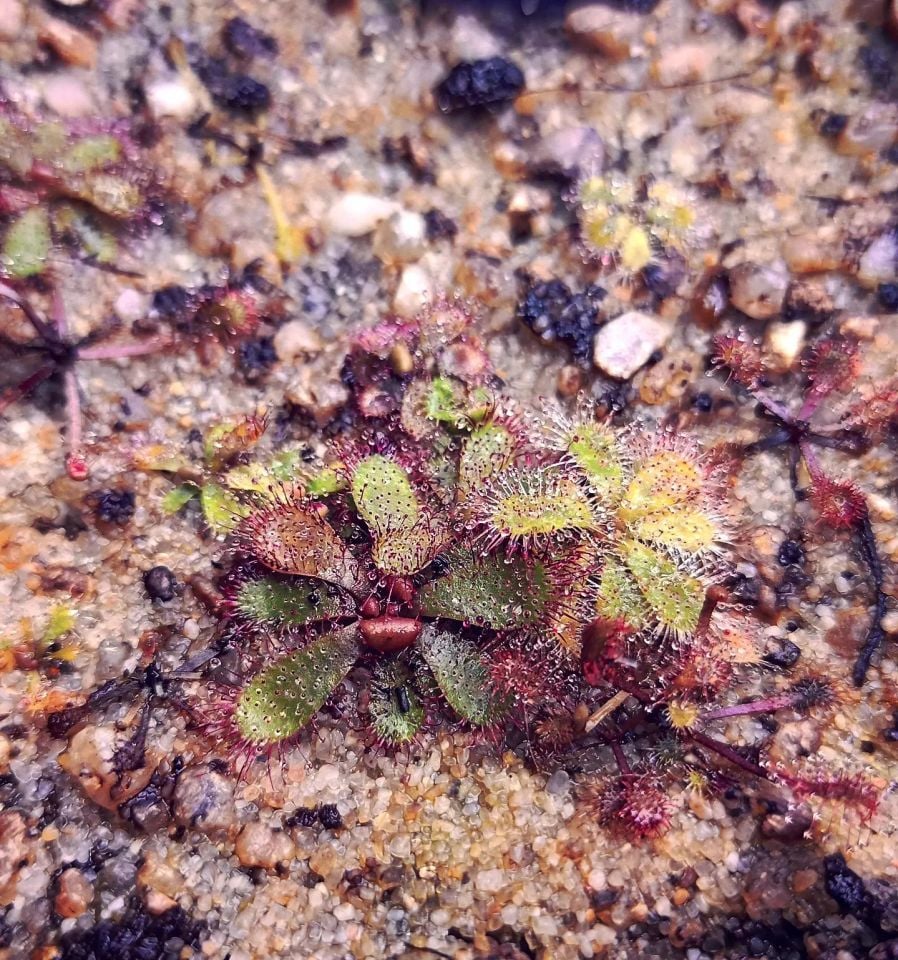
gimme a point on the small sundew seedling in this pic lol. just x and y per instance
(628, 225)
(830, 368)
(60, 355)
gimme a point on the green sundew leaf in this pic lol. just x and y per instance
(445, 402)
(177, 498)
(48, 140)
(405, 537)
(384, 496)
(108, 193)
(526, 505)
(461, 675)
(594, 450)
(225, 440)
(619, 597)
(275, 602)
(285, 465)
(281, 699)
(61, 622)
(490, 591)
(404, 552)
(26, 246)
(222, 510)
(97, 243)
(486, 451)
(325, 482)
(91, 153)
(396, 709)
(688, 530)
(675, 598)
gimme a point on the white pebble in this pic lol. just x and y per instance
(626, 343)
(414, 290)
(355, 214)
(67, 96)
(171, 98)
(490, 881)
(130, 305)
(12, 19)
(296, 339)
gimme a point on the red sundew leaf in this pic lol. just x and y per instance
(876, 413)
(840, 503)
(855, 790)
(741, 357)
(637, 807)
(833, 364)
(292, 537)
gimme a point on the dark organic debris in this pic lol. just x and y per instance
(138, 935)
(479, 83)
(554, 313)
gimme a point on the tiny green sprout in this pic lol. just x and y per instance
(627, 224)
(225, 483)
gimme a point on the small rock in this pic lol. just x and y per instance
(231, 219)
(613, 32)
(296, 339)
(15, 852)
(329, 816)
(625, 344)
(788, 827)
(130, 306)
(758, 290)
(171, 98)
(469, 39)
(318, 389)
(490, 881)
(721, 107)
(67, 96)
(401, 238)
(811, 252)
(558, 783)
(158, 903)
(246, 41)
(357, 214)
(160, 583)
(74, 894)
(160, 876)
(12, 19)
(568, 152)
(785, 341)
(809, 298)
(204, 801)
(414, 291)
(260, 846)
(74, 46)
(879, 262)
(870, 130)
(685, 63)
(89, 758)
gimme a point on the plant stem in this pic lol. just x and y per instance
(123, 350)
(876, 634)
(44, 330)
(728, 753)
(770, 705)
(15, 393)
